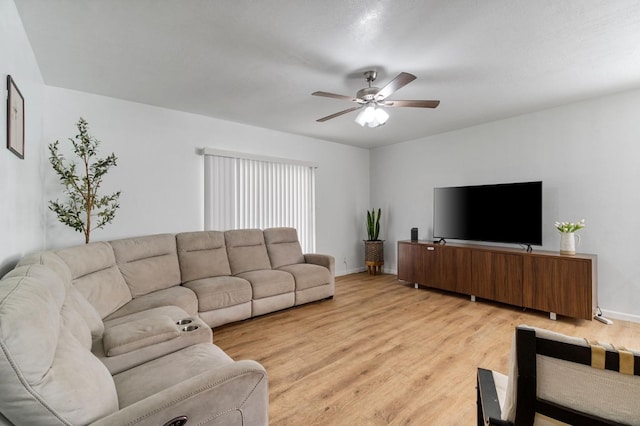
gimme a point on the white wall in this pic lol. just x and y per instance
(585, 153)
(21, 212)
(161, 172)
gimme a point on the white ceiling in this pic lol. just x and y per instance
(257, 62)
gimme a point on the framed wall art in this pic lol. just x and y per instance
(15, 119)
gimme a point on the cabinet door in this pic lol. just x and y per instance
(407, 261)
(442, 268)
(416, 263)
(497, 276)
(462, 268)
(560, 285)
(424, 264)
(446, 268)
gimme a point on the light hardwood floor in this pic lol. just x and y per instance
(382, 352)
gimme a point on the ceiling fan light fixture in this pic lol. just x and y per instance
(369, 113)
(360, 119)
(381, 115)
(366, 115)
(372, 116)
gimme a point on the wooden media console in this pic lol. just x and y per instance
(540, 280)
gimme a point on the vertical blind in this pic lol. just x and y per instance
(259, 192)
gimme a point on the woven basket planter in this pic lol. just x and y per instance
(373, 251)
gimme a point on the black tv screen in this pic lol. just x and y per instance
(501, 213)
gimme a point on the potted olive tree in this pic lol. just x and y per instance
(84, 210)
(373, 246)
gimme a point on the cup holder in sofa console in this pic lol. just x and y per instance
(184, 321)
(190, 328)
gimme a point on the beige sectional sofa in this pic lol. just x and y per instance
(120, 332)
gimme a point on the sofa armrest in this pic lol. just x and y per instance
(236, 394)
(128, 337)
(325, 260)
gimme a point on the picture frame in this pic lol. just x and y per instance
(15, 119)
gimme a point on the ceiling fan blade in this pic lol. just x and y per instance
(399, 82)
(337, 114)
(333, 95)
(416, 104)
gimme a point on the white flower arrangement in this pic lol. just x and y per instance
(567, 227)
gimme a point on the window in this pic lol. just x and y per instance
(246, 191)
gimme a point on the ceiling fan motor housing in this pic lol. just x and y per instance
(368, 93)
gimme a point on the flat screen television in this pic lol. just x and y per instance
(500, 213)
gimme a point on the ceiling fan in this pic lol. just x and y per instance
(371, 99)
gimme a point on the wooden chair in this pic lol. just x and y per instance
(556, 379)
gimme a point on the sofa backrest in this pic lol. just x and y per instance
(50, 260)
(55, 264)
(148, 263)
(48, 374)
(202, 254)
(246, 250)
(283, 246)
(96, 275)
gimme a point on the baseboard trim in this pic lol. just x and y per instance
(350, 271)
(620, 316)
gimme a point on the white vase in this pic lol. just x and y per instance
(568, 243)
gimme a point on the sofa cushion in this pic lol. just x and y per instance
(283, 246)
(78, 385)
(220, 292)
(307, 275)
(47, 375)
(246, 250)
(173, 312)
(270, 304)
(96, 276)
(73, 322)
(30, 312)
(269, 282)
(148, 263)
(202, 254)
(86, 311)
(71, 317)
(50, 260)
(199, 383)
(138, 334)
(154, 376)
(179, 296)
(51, 263)
(41, 274)
(217, 317)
